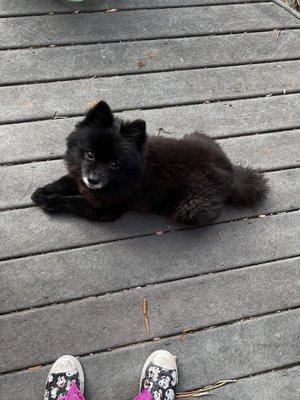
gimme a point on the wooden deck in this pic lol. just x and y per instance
(229, 68)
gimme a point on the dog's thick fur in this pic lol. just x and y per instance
(188, 180)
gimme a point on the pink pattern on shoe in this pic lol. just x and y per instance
(74, 393)
(144, 395)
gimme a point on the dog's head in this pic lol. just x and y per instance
(106, 153)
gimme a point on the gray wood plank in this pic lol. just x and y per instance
(206, 357)
(46, 139)
(265, 152)
(25, 7)
(28, 231)
(17, 183)
(141, 24)
(282, 384)
(36, 101)
(36, 280)
(206, 301)
(35, 140)
(35, 65)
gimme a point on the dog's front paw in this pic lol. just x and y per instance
(38, 196)
(50, 203)
(42, 192)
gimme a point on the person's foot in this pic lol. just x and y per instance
(65, 377)
(159, 376)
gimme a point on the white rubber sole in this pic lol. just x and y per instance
(77, 366)
(155, 354)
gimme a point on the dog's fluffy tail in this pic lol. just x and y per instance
(249, 187)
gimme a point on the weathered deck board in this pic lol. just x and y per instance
(34, 65)
(46, 139)
(45, 100)
(28, 231)
(233, 351)
(207, 301)
(38, 277)
(270, 151)
(265, 152)
(25, 7)
(141, 24)
(282, 384)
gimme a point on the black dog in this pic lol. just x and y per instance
(114, 168)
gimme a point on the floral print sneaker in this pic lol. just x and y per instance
(65, 380)
(159, 377)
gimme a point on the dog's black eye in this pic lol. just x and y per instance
(114, 165)
(89, 156)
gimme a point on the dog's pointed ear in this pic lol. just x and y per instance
(100, 114)
(136, 130)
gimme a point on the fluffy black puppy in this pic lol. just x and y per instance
(114, 168)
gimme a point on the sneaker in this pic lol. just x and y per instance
(65, 378)
(159, 377)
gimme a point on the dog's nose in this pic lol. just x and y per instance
(93, 181)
